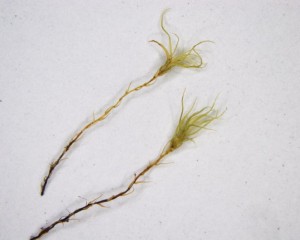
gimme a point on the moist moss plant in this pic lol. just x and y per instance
(188, 126)
(185, 59)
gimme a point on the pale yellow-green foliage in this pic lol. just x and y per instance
(191, 122)
(185, 59)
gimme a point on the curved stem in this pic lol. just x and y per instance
(96, 202)
(75, 138)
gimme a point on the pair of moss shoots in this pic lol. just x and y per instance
(185, 59)
(189, 125)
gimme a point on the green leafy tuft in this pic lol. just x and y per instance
(185, 59)
(192, 122)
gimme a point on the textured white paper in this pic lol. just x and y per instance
(63, 60)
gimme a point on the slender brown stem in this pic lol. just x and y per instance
(106, 113)
(92, 203)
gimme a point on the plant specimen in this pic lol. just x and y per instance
(189, 124)
(185, 59)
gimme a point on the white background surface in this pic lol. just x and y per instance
(62, 60)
